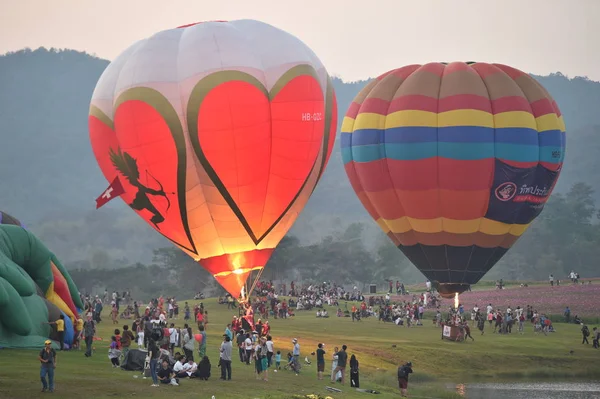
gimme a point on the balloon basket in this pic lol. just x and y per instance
(449, 290)
(451, 333)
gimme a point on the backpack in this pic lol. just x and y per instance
(586, 331)
(402, 372)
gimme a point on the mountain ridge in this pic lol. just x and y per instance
(53, 177)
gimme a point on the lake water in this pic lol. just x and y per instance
(553, 390)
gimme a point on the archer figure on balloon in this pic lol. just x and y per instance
(127, 166)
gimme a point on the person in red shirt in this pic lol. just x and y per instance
(118, 338)
(200, 319)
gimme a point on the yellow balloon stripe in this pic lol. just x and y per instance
(439, 225)
(462, 117)
(54, 298)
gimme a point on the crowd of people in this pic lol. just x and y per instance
(178, 352)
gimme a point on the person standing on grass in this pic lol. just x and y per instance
(248, 349)
(47, 357)
(89, 329)
(468, 331)
(113, 352)
(320, 361)
(126, 340)
(78, 333)
(60, 330)
(341, 363)
(202, 345)
(154, 353)
(226, 355)
(270, 350)
(403, 372)
(480, 322)
(228, 332)
(188, 342)
(354, 372)
(296, 355)
(264, 362)
(585, 332)
(173, 338)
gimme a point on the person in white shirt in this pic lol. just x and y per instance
(489, 308)
(190, 368)
(248, 348)
(519, 311)
(173, 338)
(178, 367)
(270, 350)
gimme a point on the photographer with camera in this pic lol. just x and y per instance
(403, 372)
(154, 353)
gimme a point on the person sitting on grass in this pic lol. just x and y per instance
(204, 367)
(165, 374)
(291, 364)
(189, 369)
(178, 367)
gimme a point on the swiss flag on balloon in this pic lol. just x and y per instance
(113, 191)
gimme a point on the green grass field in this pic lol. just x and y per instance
(438, 365)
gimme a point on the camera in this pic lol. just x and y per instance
(157, 334)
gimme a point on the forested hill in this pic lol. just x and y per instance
(50, 178)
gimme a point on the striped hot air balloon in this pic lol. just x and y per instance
(453, 161)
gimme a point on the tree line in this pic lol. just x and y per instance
(565, 237)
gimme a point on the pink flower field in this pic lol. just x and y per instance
(583, 300)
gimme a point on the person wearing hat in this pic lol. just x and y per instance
(403, 372)
(296, 354)
(47, 358)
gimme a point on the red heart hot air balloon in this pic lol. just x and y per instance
(219, 133)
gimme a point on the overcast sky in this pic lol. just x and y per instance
(355, 39)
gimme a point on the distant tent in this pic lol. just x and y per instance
(134, 360)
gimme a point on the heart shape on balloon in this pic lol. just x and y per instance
(152, 171)
(257, 146)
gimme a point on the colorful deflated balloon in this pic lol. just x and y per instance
(453, 161)
(219, 132)
(35, 289)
